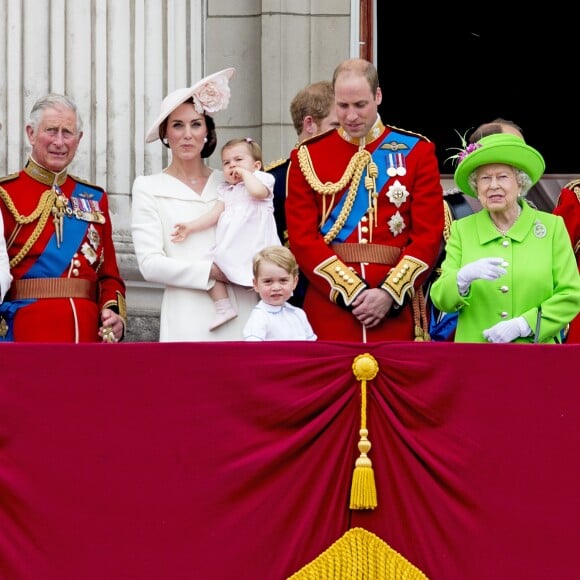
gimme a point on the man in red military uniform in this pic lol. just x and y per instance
(568, 206)
(66, 284)
(365, 218)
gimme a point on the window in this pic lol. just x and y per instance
(439, 79)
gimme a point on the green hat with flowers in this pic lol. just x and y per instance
(499, 148)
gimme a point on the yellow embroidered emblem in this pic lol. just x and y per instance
(402, 277)
(341, 278)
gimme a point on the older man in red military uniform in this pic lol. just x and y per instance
(66, 284)
(365, 218)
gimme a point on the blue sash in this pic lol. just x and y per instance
(361, 204)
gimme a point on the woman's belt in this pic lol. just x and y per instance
(37, 288)
(367, 253)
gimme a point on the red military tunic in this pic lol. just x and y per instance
(63, 262)
(354, 225)
(568, 206)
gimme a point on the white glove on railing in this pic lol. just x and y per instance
(484, 268)
(508, 330)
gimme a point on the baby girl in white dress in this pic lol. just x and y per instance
(245, 221)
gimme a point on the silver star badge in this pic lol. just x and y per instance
(397, 193)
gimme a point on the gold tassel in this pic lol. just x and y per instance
(363, 492)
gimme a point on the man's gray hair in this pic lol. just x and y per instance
(52, 101)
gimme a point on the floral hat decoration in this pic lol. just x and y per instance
(210, 95)
(502, 148)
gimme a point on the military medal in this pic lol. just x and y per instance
(401, 165)
(87, 210)
(391, 170)
(59, 209)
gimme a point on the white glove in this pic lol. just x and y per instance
(484, 268)
(508, 330)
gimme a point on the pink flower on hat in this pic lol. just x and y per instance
(212, 96)
(464, 150)
(469, 149)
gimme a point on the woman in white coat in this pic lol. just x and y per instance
(185, 190)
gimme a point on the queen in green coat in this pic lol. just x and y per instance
(509, 270)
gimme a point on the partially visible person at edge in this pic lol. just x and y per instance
(244, 220)
(5, 275)
(568, 207)
(365, 218)
(509, 269)
(66, 286)
(275, 276)
(313, 112)
(186, 190)
(457, 205)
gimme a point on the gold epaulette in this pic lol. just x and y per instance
(81, 180)
(274, 164)
(408, 132)
(9, 177)
(572, 185)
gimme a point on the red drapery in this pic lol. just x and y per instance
(235, 460)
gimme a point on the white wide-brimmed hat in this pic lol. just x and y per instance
(210, 95)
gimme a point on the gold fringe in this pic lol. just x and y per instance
(363, 492)
(359, 555)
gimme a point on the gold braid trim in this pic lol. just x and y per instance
(353, 174)
(448, 220)
(43, 210)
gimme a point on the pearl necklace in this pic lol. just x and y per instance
(504, 232)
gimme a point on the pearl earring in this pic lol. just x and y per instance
(165, 141)
(205, 139)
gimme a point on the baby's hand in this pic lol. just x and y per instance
(241, 172)
(179, 233)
